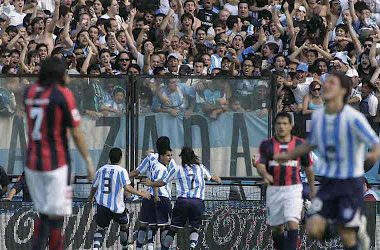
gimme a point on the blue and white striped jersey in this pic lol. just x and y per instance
(148, 166)
(341, 139)
(110, 181)
(158, 173)
(190, 180)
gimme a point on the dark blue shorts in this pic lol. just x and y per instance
(188, 209)
(104, 216)
(340, 201)
(158, 213)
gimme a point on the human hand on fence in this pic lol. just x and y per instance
(174, 112)
(216, 179)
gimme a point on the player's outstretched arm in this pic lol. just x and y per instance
(297, 152)
(77, 135)
(132, 190)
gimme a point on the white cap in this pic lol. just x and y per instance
(302, 8)
(352, 73)
(262, 83)
(175, 55)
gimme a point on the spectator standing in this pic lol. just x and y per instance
(369, 104)
(313, 100)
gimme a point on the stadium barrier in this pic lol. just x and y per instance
(226, 225)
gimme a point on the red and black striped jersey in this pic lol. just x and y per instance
(50, 112)
(287, 173)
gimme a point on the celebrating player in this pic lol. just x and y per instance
(190, 184)
(51, 110)
(155, 213)
(284, 194)
(110, 184)
(339, 133)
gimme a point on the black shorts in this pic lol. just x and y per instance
(104, 216)
(158, 213)
(339, 200)
(188, 210)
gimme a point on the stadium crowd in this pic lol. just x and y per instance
(299, 42)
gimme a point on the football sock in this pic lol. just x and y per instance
(194, 239)
(41, 233)
(169, 238)
(124, 238)
(99, 237)
(140, 239)
(56, 237)
(278, 240)
(290, 242)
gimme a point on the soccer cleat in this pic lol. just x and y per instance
(363, 238)
(193, 245)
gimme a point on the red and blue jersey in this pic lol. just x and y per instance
(50, 112)
(287, 173)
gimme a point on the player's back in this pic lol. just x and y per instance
(50, 111)
(110, 181)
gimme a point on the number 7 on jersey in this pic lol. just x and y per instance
(37, 114)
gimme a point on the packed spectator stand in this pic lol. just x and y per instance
(298, 42)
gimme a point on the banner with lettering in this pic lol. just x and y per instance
(225, 225)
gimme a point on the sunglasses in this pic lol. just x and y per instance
(317, 89)
(367, 45)
(6, 55)
(124, 59)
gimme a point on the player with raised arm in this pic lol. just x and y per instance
(50, 108)
(110, 184)
(190, 184)
(284, 201)
(339, 133)
(155, 213)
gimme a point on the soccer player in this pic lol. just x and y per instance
(284, 201)
(155, 213)
(51, 111)
(110, 184)
(339, 133)
(190, 184)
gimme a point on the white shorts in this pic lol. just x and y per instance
(50, 191)
(283, 204)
